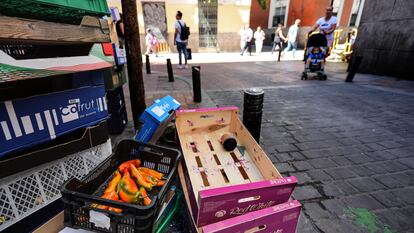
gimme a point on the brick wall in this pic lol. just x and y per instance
(308, 11)
(258, 16)
(346, 13)
(386, 38)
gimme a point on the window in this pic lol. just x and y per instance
(354, 12)
(336, 5)
(279, 16)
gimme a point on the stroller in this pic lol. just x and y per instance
(315, 41)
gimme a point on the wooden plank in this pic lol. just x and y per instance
(213, 172)
(190, 161)
(41, 31)
(258, 156)
(198, 122)
(252, 171)
(227, 162)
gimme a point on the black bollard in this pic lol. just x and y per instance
(353, 68)
(252, 111)
(278, 56)
(147, 64)
(170, 71)
(196, 84)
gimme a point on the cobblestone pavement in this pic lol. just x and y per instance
(351, 148)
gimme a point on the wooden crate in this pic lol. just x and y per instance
(224, 184)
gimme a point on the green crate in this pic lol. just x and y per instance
(163, 222)
(63, 11)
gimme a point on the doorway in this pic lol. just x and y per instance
(207, 25)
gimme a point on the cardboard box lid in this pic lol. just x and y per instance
(161, 109)
(170, 101)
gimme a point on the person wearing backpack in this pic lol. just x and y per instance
(180, 39)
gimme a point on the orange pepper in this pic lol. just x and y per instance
(160, 183)
(110, 196)
(152, 180)
(125, 165)
(153, 173)
(126, 195)
(117, 210)
(147, 200)
(140, 178)
(113, 183)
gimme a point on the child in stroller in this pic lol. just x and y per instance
(315, 56)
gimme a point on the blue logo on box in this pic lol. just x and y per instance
(34, 120)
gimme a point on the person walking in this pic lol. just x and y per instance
(180, 40)
(327, 26)
(259, 37)
(247, 37)
(292, 38)
(279, 38)
(151, 42)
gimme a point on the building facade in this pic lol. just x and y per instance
(386, 38)
(308, 11)
(286, 12)
(214, 24)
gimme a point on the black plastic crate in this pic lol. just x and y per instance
(117, 120)
(115, 99)
(79, 195)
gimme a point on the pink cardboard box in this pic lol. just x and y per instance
(282, 218)
(225, 184)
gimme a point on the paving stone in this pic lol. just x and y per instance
(284, 167)
(366, 184)
(283, 157)
(305, 193)
(395, 166)
(305, 225)
(363, 201)
(379, 168)
(375, 146)
(388, 199)
(315, 211)
(337, 226)
(408, 162)
(359, 158)
(362, 170)
(322, 163)
(345, 187)
(302, 165)
(348, 141)
(319, 175)
(297, 156)
(286, 148)
(405, 194)
(390, 144)
(336, 207)
(391, 181)
(341, 160)
(330, 190)
(302, 177)
(340, 173)
(380, 155)
(396, 220)
(401, 152)
(311, 154)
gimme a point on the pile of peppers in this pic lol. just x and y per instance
(130, 184)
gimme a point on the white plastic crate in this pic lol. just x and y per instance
(26, 192)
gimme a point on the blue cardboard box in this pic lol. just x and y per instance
(38, 119)
(119, 54)
(155, 116)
